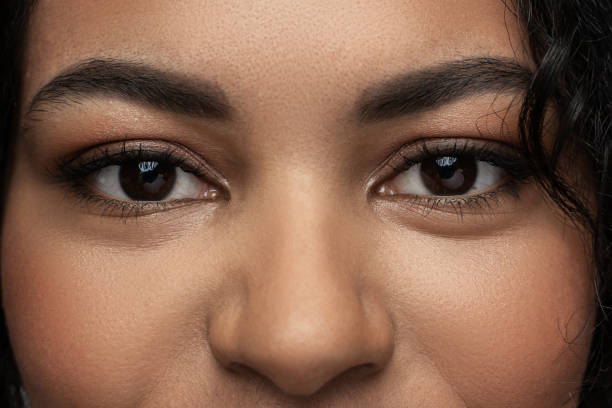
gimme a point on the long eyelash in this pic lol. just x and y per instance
(125, 209)
(515, 164)
(479, 204)
(73, 172)
(80, 168)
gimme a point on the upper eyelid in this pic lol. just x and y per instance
(414, 152)
(98, 158)
(436, 147)
(132, 149)
(127, 147)
(506, 155)
(486, 150)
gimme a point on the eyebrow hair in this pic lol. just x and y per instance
(136, 82)
(439, 85)
(409, 93)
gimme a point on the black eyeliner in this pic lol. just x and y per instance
(74, 173)
(99, 158)
(509, 159)
(496, 154)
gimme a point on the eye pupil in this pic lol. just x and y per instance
(446, 169)
(147, 180)
(449, 175)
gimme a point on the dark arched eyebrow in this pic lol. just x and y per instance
(136, 82)
(441, 84)
(413, 92)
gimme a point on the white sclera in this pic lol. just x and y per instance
(411, 181)
(186, 185)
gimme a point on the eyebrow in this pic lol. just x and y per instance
(439, 85)
(136, 82)
(410, 93)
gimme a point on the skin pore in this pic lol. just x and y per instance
(293, 267)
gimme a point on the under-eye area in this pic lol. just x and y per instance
(139, 177)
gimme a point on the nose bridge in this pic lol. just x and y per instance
(296, 295)
(306, 236)
(304, 283)
(303, 321)
(304, 222)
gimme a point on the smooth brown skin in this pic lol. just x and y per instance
(306, 288)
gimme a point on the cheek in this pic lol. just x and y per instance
(506, 320)
(89, 323)
(58, 321)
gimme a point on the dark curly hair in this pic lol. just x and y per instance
(570, 42)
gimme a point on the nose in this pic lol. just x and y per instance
(304, 316)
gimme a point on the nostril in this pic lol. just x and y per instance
(357, 373)
(238, 368)
(362, 370)
(350, 376)
(303, 363)
(244, 370)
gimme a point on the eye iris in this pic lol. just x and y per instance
(448, 175)
(147, 180)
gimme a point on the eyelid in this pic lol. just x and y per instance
(498, 153)
(74, 172)
(82, 164)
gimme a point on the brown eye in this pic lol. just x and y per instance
(147, 180)
(445, 176)
(449, 175)
(151, 181)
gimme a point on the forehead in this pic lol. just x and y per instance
(288, 46)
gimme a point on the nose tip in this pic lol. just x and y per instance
(302, 308)
(301, 350)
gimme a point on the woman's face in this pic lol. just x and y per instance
(271, 203)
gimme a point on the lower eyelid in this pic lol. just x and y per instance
(487, 203)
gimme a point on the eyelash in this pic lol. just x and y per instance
(74, 172)
(507, 158)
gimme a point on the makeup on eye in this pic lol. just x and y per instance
(144, 176)
(454, 173)
(151, 181)
(445, 176)
(140, 177)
